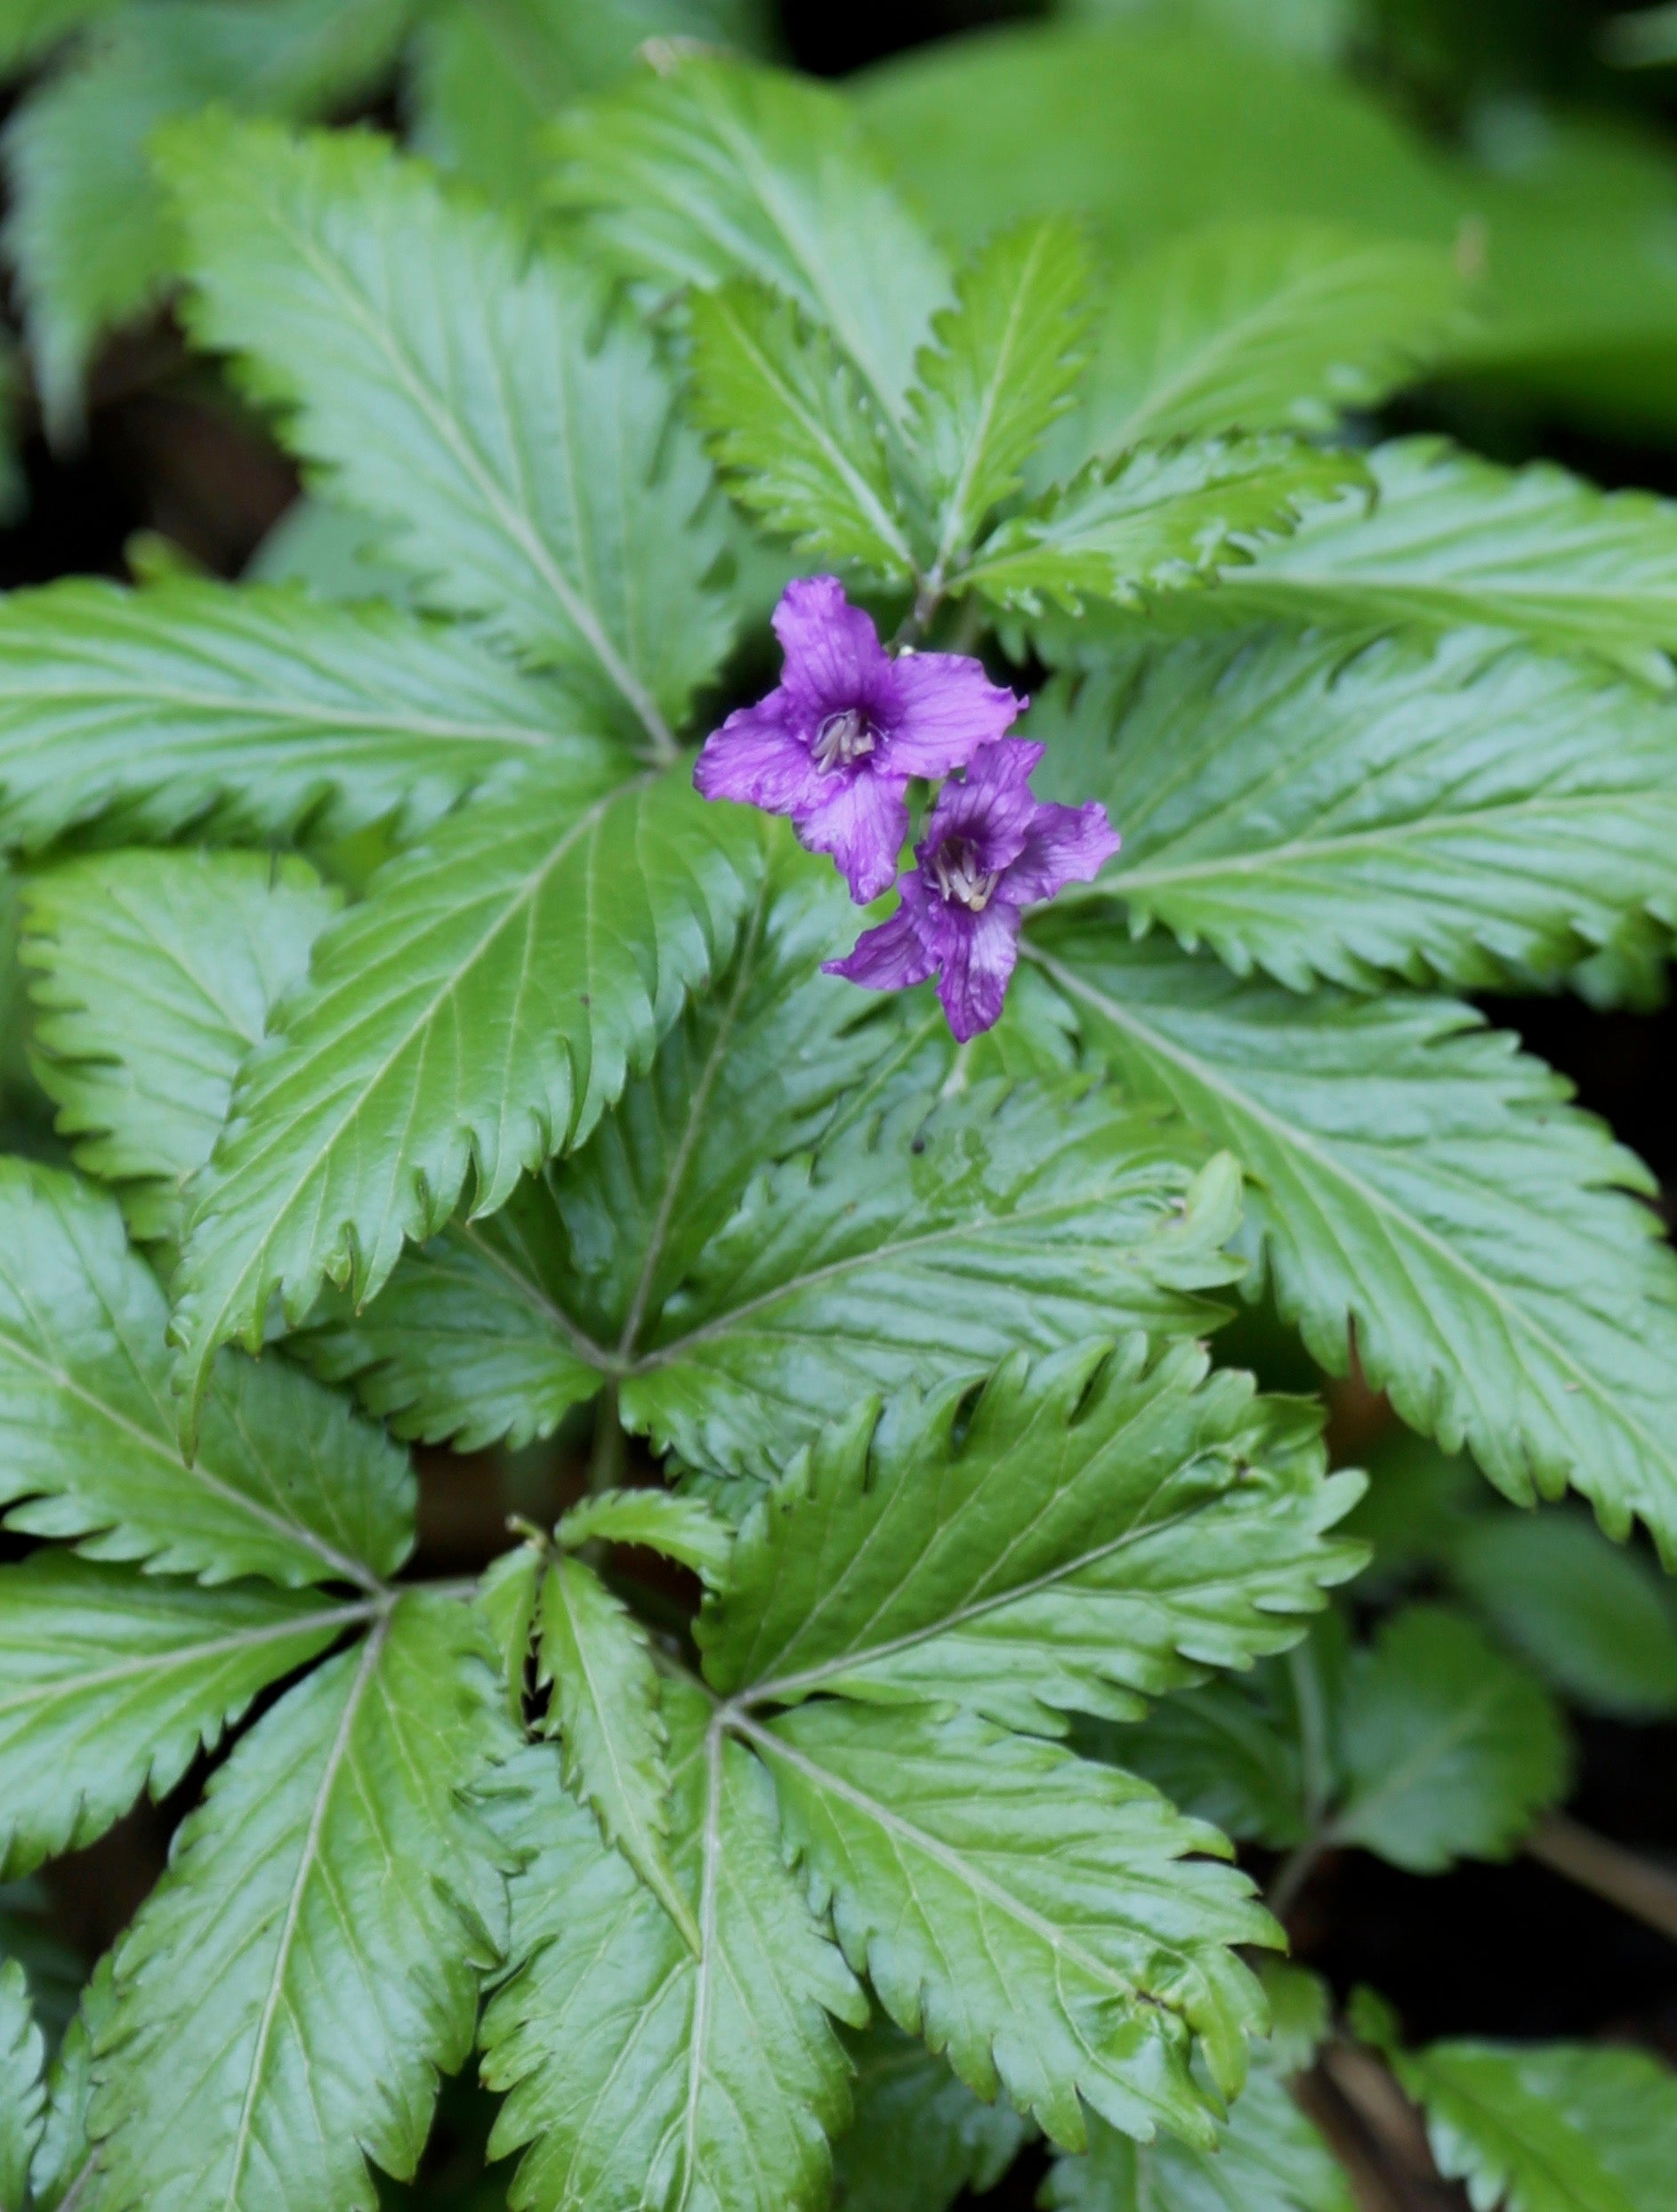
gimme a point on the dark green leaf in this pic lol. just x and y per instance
(919, 2135)
(23, 2092)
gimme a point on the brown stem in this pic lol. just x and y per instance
(1374, 2131)
(1635, 1884)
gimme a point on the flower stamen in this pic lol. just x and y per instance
(842, 739)
(960, 876)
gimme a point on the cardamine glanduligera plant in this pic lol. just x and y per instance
(497, 1010)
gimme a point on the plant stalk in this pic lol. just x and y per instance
(1647, 1891)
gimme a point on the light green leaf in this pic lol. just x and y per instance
(593, 1653)
(1257, 325)
(1268, 2159)
(155, 975)
(328, 550)
(63, 2159)
(1598, 1623)
(794, 431)
(1447, 1748)
(923, 1247)
(111, 1682)
(439, 379)
(30, 29)
(684, 1528)
(1035, 1915)
(638, 2075)
(1463, 811)
(711, 169)
(1006, 358)
(23, 2092)
(309, 1964)
(919, 2135)
(509, 1595)
(250, 713)
(1100, 1527)
(287, 1483)
(1548, 2127)
(1416, 1173)
(458, 1021)
(1164, 519)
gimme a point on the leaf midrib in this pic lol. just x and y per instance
(185, 1657)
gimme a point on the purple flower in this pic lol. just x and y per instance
(989, 849)
(835, 744)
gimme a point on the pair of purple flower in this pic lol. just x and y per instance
(835, 746)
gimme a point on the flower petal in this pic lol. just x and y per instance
(861, 819)
(756, 757)
(834, 659)
(993, 806)
(892, 957)
(1065, 844)
(976, 967)
(946, 707)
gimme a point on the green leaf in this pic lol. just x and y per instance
(287, 1483)
(963, 1864)
(112, 1682)
(1228, 1754)
(309, 1963)
(638, 2075)
(923, 1247)
(1417, 1172)
(793, 428)
(252, 713)
(1101, 1526)
(88, 232)
(605, 1711)
(919, 2136)
(684, 1528)
(1268, 2159)
(711, 169)
(508, 1597)
(1598, 1623)
(1447, 1747)
(1006, 358)
(1464, 811)
(441, 379)
(1548, 2127)
(63, 2161)
(155, 975)
(1164, 519)
(1257, 325)
(30, 29)
(1452, 539)
(22, 2093)
(458, 1021)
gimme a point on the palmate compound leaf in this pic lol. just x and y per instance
(1324, 811)
(1103, 1524)
(1164, 519)
(309, 1964)
(710, 169)
(1415, 1178)
(477, 1012)
(286, 1483)
(918, 2137)
(112, 1682)
(22, 2089)
(251, 711)
(524, 465)
(638, 2074)
(154, 975)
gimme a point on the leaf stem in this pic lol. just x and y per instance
(1293, 1873)
(1639, 1886)
(605, 1464)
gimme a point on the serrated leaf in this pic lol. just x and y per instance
(155, 975)
(712, 169)
(1035, 1915)
(1166, 519)
(1101, 1526)
(508, 1599)
(64, 2158)
(111, 1682)
(638, 2075)
(683, 1529)
(1597, 1622)
(593, 1653)
(919, 2135)
(23, 2092)
(923, 1247)
(1230, 1754)
(1418, 1173)
(309, 1964)
(1268, 2159)
(1258, 326)
(1465, 811)
(1548, 2127)
(459, 1022)
(1447, 1748)
(524, 463)
(251, 712)
(1003, 369)
(792, 430)
(287, 1483)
